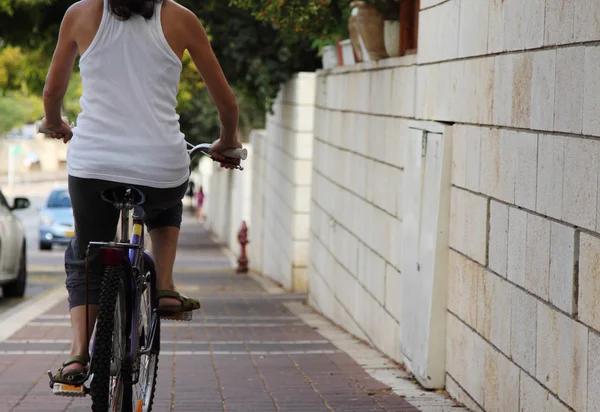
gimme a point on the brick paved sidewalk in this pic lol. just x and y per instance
(244, 351)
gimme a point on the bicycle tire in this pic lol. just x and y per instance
(143, 400)
(113, 289)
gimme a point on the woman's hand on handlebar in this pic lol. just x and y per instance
(217, 149)
(60, 131)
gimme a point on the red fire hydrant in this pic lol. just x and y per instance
(243, 239)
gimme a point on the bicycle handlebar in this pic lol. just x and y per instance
(203, 148)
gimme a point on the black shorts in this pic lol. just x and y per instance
(97, 220)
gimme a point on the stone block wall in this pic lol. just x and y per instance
(281, 186)
(519, 83)
(356, 214)
(523, 294)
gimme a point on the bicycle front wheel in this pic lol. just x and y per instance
(110, 347)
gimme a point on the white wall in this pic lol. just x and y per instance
(358, 197)
(228, 198)
(283, 179)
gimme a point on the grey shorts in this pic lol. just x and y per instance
(97, 220)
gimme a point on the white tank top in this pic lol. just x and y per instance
(128, 129)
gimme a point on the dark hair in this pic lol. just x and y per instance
(124, 9)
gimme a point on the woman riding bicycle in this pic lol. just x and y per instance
(128, 134)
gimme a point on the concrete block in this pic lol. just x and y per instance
(465, 357)
(393, 292)
(470, 212)
(503, 89)
(363, 91)
(395, 133)
(498, 249)
(473, 143)
(550, 175)
(459, 156)
(371, 272)
(587, 21)
(384, 182)
(547, 354)
(560, 15)
(542, 89)
(474, 16)
(572, 355)
(376, 137)
(593, 369)
(580, 182)
(523, 89)
(570, 77)
(501, 382)
(523, 330)
(517, 242)
(537, 256)
(395, 253)
(464, 278)
(459, 394)
(591, 90)
(508, 163)
(562, 267)
(362, 135)
(535, 398)
(494, 318)
(526, 172)
(514, 25)
(589, 281)
(380, 96)
(534, 23)
(403, 85)
(490, 162)
(496, 27)
(438, 32)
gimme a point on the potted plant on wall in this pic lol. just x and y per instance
(371, 25)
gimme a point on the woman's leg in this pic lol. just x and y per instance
(95, 220)
(163, 216)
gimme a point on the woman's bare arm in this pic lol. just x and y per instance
(59, 74)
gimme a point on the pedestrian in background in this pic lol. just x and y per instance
(199, 202)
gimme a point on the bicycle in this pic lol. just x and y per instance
(125, 344)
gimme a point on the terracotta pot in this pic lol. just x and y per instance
(355, 38)
(340, 56)
(370, 26)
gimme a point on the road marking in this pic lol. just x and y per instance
(252, 318)
(182, 342)
(184, 352)
(194, 270)
(22, 314)
(190, 324)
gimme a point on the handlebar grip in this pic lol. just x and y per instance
(236, 153)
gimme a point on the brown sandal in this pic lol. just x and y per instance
(187, 304)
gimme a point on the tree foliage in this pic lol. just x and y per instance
(255, 58)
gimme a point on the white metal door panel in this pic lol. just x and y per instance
(425, 251)
(411, 221)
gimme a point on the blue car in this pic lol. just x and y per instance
(56, 219)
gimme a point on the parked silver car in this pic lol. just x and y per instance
(13, 248)
(56, 219)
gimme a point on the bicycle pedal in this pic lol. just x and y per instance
(183, 317)
(61, 389)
